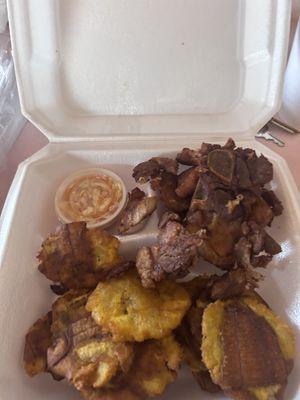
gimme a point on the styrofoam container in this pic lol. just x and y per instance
(112, 83)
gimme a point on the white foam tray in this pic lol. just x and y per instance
(101, 82)
(146, 67)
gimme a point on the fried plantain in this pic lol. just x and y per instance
(155, 366)
(81, 351)
(110, 394)
(130, 312)
(247, 349)
(77, 257)
(37, 341)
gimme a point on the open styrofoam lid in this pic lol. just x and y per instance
(89, 68)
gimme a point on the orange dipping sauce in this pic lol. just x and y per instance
(92, 197)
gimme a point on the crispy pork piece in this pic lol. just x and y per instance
(166, 217)
(175, 253)
(247, 349)
(187, 182)
(196, 157)
(77, 257)
(130, 312)
(256, 209)
(138, 208)
(167, 164)
(248, 250)
(270, 197)
(145, 171)
(221, 162)
(37, 341)
(166, 184)
(81, 351)
(150, 169)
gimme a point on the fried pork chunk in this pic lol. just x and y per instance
(138, 208)
(247, 349)
(81, 352)
(150, 169)
(37, 341)
(174, 254)
(162, 174)
(130, 312)
(155, 365)
(77, 257)
(230, 190)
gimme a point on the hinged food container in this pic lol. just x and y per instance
(112, 83)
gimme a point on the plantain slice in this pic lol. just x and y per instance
(128, 311)
(77, 257)
(247, 349)
(81, 352)
(37, 340)
(155, 365)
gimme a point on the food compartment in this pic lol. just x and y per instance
(26, 294)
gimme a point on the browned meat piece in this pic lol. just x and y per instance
(189, 157)
(221, 162)
(174, 254)
(261, 170)
(77, 257)
(197, 219)
(256, 209)
(120, 270)
(242, 174)
(249, 247)
(138, 208)
(145, 265)
(212, 196)
(166, 217)
(187, 182)
(270, 197)
(37, 341)
(195, 157)
(206, 251)
(147, 170)
(167, 164)
(166, 184)
(200, 287)
(232, 283)
(177, 251)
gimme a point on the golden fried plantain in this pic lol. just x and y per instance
(155, 365)
(77, 257)
(110, 394)
(37, 341)
(130, 312)
(81, 351)
(247, 349)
